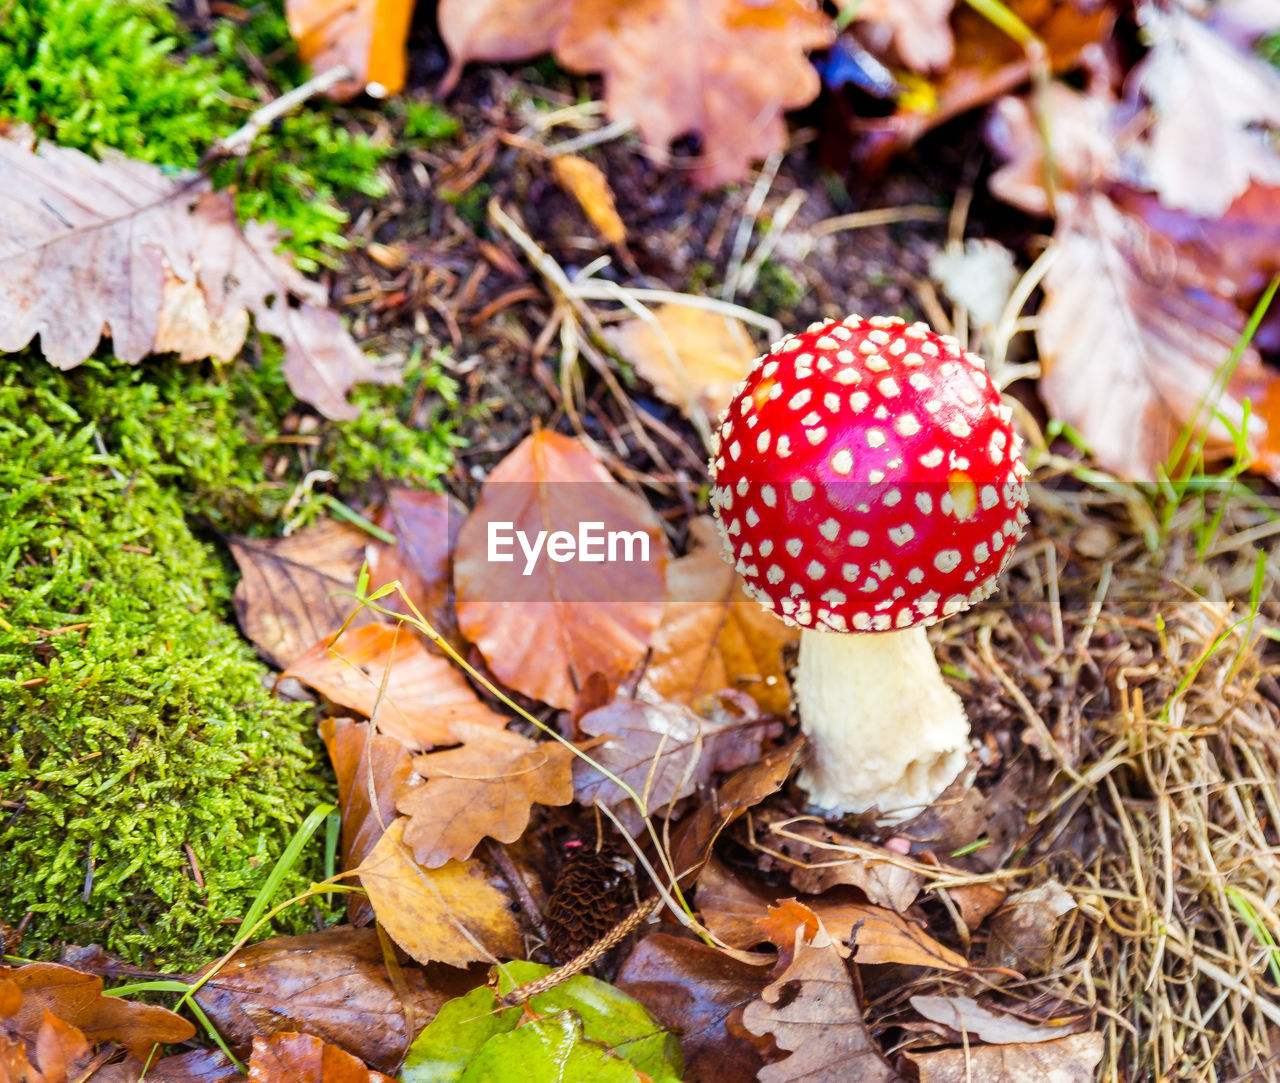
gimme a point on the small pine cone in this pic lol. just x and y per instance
(592, 894)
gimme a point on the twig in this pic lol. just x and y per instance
(236, 145)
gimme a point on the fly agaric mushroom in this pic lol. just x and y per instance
(868, 483)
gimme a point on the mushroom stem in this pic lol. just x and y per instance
(884, 728)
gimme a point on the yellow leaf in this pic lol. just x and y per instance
(590, 187)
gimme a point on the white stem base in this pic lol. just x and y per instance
(883, 727)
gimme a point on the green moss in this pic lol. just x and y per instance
(94, 76)
(777, 290)
(137, 740)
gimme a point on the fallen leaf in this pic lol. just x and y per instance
(1216, 108)
(198, 1066)
(550, 1047)
(77, 1000)
(425, 526)
(722, 68)
(1130, 347)
(333, 984)
(285, 1057)
(976, 902)
(545, 626)
(451, 914)
(290, 591)
(921, 29)
(663, 751)
(694, 358)
(881, 936)
(487, 786)
(965, 1015)
(90, 246)
(713, 636)
(698, 993)
(731, 906)
(367, 36)
(819, 858)
(1023, 931)
(54, 1052)
(425, 697)
(813, 1010)
(372, 770)
(1066, 1060)
(586, 182)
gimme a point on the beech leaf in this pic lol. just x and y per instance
(303, 1058)
(452, 914)
(487, 786)
(424, 695)
(544, 633)
(721, 68)
(92, 246)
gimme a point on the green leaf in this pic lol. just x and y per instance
(547, 1049)
(455, 1035)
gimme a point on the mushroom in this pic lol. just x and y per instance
(868, 483)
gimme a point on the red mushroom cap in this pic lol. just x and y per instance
(868, 478)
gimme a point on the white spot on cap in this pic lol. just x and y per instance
(906, 425)
(850, 572)
(801, 489)
(875, 363)
(959, 427)
(768, 369)
(897, 347)
(735, 450)
(859, 538)
(954, 604)
(762, 441)
(919, 381)
(913, 360)
(810, 419)
(842, 461)
(742, 486)
(834, 597)
(888, 387)
(766, 547)
(925, 503)
(829, 529)
(841, 332)
(847, 376)
(815, 570)
(816, 436)
(775, 392)
(904, 619)
(882, 568)
(932, 458)
(875, 438)
(996, 448)
(875, 476)
(793, 546)
(774, 574)
(948, 560)
(981, 553)
(800, 399)
(826, 342)
(734, 528)
(891, 498)
(869, 586)
(900, 535)
(859, 401)
(989, 497)
(769, 495)
(751, 517)
(928, 603)
(783, 446)
(880, 338)
(831, 401)
(845, 357)
(881, 414)
(746, 550)
(862, 621)
(915, 575)
(930, 348)
(933, 405)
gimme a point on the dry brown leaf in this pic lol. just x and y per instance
(812, 1009)
(372, 770)
(425, 526)
(1023, 931)
(694, 358)
(1067, 1060)
(724, 69)
(586, 182)
(964, 1015)
(545, 633)
(976, 902)
(663, 751)
(1130, 348)
(451, 914)
(424, 697)
(89, 247)
(286, 1057)
(198, 1066)
(77, 999)
(367, 36)
(290, 591)
(881, 936)
(487, 786)
(699, 993)
(54, 1052)
(731, 906)
(1216, 110)
(921, 29)
(333, 984)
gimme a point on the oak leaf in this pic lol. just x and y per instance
(333, 984)
(812, 1010)
(369, 37)
(1073, 1059)
(487, 786)
(694, 358)
(291, 590)
(663, 751)
(89, 246)
(544, 626)
(451, 914)
(713, 636)
(921, 29)
(372, 770)
(725, 69)
(417, 696)
(286, 1057)
(731, 906)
